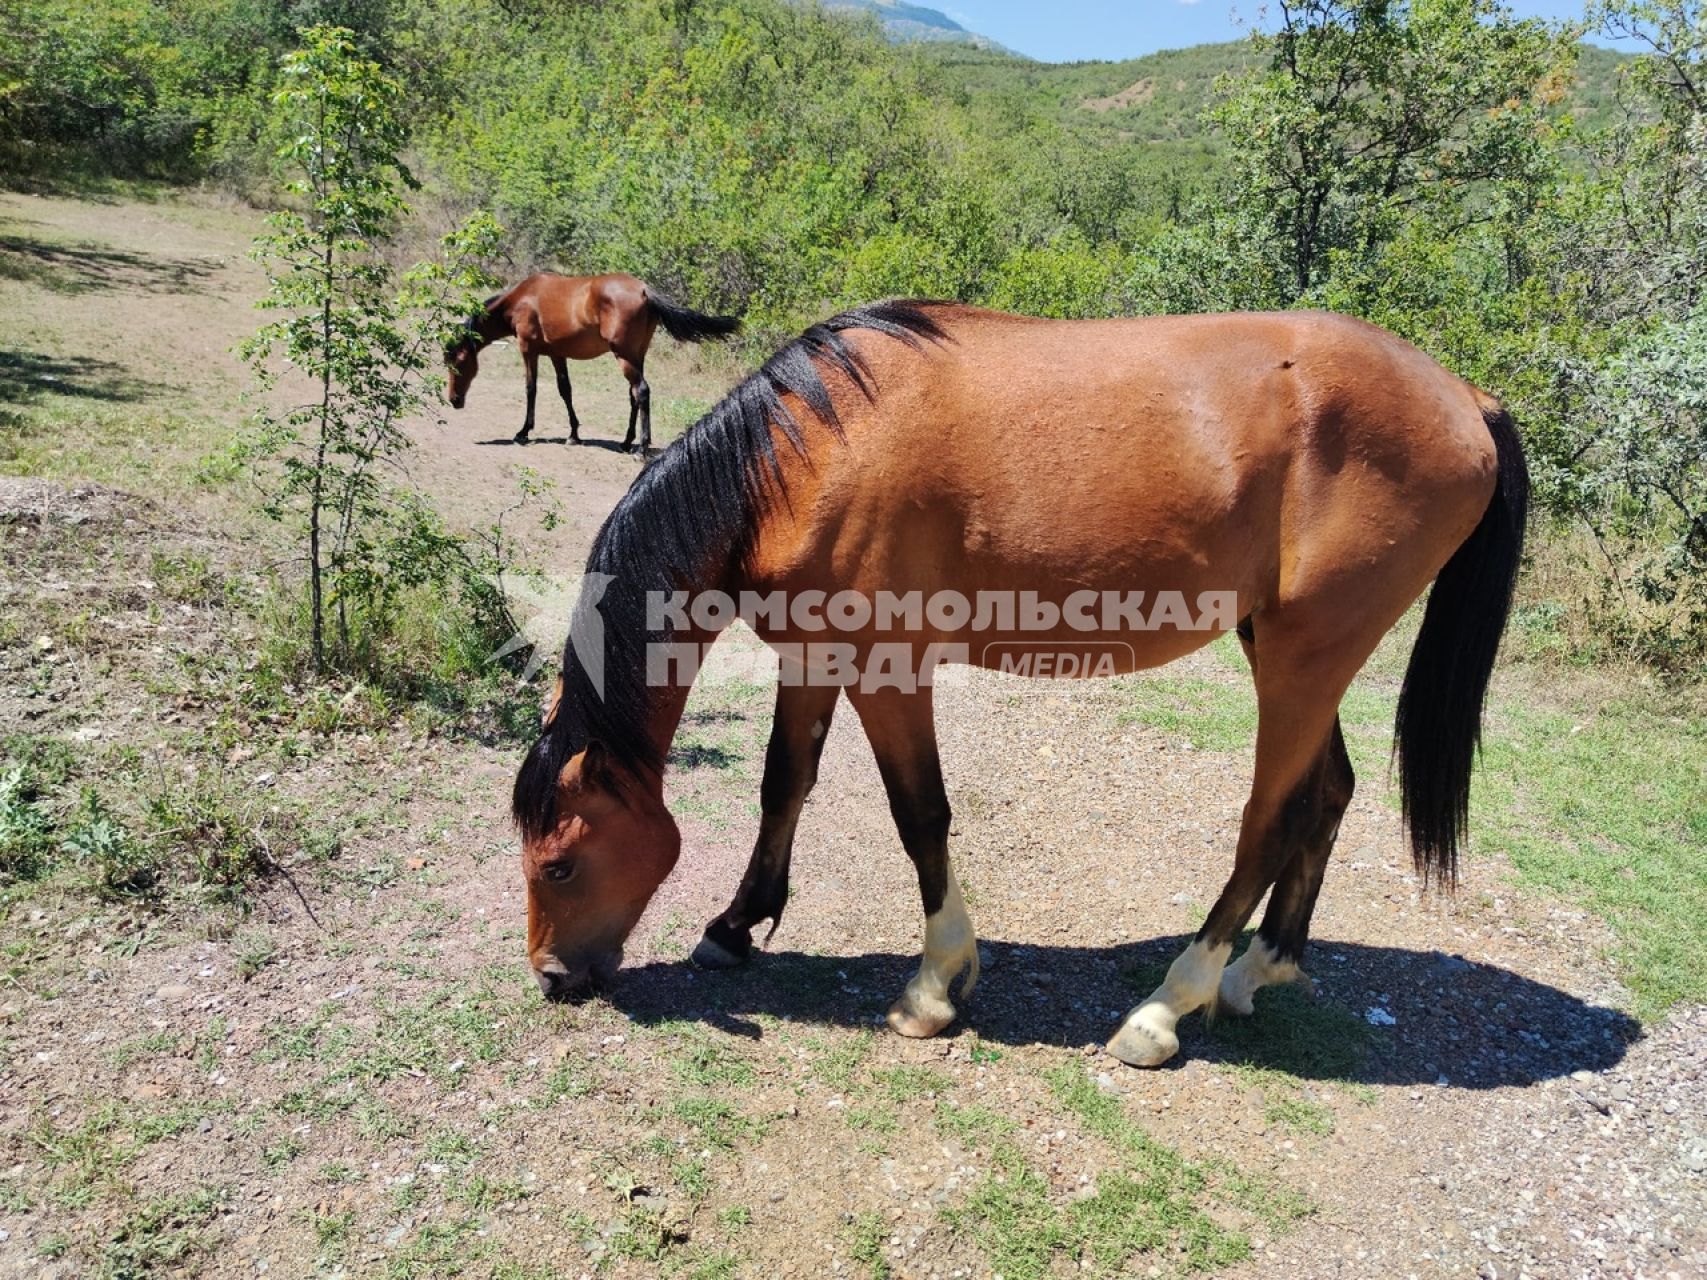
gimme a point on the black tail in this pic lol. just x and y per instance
(1439, 725)
(685, 325)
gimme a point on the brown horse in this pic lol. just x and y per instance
(1299, 476)
(579, 318)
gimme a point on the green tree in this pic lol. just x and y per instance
(361, 347)
(1640, 241)
(1371, 113)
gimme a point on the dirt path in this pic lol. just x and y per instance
(373, 1088)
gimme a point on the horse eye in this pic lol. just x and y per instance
(560, 872)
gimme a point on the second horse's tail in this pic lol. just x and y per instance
(686, 325)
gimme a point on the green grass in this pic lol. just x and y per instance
(149, 1046)
(1011, 1217)
(97, 1149)
(1209, 714)
(1607, 805)
(716, 1122)
(838, 1063)
(908, 1083)
(160, 1234)
(1149, 1201)
(709, 1063)
(865, 1244)
(1295, 1034)
(878, 1120)
(693, 1177)
(973, 1124)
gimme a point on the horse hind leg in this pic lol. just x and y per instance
(798, 732)
(1277, 950)
(1296, 711)
(639, 404)
(903, 738)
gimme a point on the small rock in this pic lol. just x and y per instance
(174, 991)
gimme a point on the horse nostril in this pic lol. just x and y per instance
(552, 984)
(555, 983)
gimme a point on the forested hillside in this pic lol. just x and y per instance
(1530, 210)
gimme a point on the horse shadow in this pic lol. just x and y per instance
(1378, 1015)
(609, 446)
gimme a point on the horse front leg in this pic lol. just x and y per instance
(530, 366)
(798, 731)
(562, 366)
(903, 738)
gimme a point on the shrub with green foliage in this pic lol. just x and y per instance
(365, 351)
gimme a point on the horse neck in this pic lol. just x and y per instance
(494, 324)
(670, 701)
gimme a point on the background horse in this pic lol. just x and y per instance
(1317, 468)
(580, 318)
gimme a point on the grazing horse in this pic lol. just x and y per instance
(1306, 474)
(579, 318)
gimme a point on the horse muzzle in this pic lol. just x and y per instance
(578, 979)
(456, 402)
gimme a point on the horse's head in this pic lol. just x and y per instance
(592, 873)
(462, 358)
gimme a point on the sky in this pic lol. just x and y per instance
(1071, 30)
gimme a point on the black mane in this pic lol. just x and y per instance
(689, 515)
(470, 334)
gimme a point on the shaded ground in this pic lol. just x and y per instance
(357, 1077)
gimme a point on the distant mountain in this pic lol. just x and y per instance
(914, 22)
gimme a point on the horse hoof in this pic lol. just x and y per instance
(519, 439)
(919, 1017)
(1140, 1046)
(1235, 996)
(713, 955)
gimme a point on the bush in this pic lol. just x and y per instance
(118, 864)
(26, 831)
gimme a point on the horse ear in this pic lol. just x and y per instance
(550, 713)
(593, 768)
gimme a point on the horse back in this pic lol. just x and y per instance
(1290, 458)
(578, 317)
